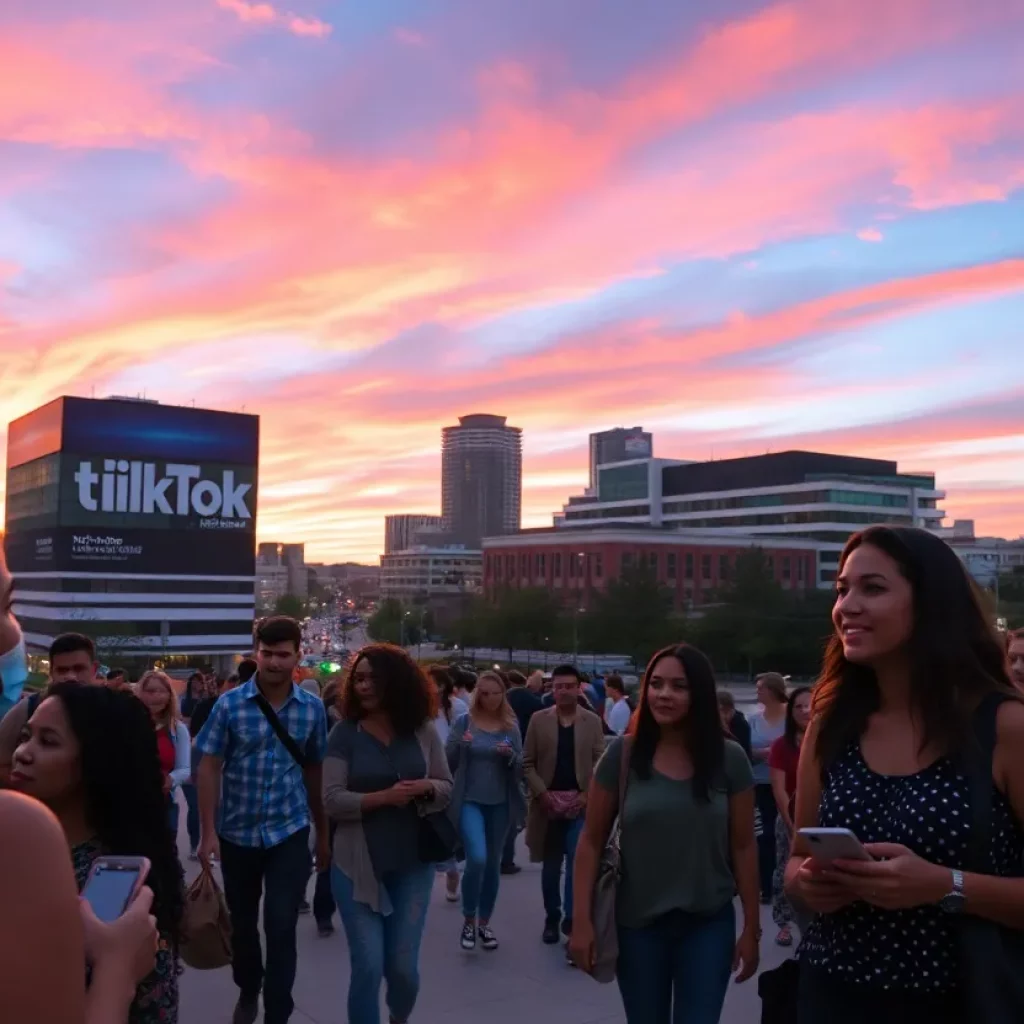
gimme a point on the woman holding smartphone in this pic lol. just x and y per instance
(912, 659)
(90, 754)
(485, 754)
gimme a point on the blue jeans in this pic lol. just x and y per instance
(384, 947)
(559, 845)
(483, 828)
(173, 813)
(676, 970)
(192, 814)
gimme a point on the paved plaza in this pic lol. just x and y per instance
(524, 982)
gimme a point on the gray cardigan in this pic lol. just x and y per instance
(351, 853)
(460, 766)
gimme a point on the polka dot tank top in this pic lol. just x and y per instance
(903, 950)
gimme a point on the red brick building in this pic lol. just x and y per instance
(693, 565)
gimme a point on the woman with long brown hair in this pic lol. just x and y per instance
(485, 754)
(913, 712)
(687, 846)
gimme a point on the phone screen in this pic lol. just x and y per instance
(109, 889)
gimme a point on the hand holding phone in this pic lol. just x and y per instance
(112, 884)
(128, 944)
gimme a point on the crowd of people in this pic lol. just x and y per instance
(395, 775)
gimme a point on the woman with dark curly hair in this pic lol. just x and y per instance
(385, 769)
(90, 754)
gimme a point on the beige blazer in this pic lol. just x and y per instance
(539, 754)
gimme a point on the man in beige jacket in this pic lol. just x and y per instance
(563, 743)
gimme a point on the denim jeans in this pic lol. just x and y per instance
(384, 946)
(173, 815)
(323, 898)
(676, 970)
(559, 845)
(508, 854)
(282, 871)
(765, 801)
(483, 828)
(192, 814)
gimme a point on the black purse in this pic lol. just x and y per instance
(991, 955)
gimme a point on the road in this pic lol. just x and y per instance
(522, 981)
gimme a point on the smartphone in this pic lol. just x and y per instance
(113, 883)
(834, 844)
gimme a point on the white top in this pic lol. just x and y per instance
(443, 726)
(617, 714)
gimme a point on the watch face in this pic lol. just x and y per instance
(952, 903)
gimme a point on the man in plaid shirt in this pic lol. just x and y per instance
(256, 803)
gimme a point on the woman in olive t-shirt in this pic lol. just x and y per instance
(687, 841)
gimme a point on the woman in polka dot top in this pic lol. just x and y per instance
(911, 659)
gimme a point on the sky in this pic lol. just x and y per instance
(746, 226)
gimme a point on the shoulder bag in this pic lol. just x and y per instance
(991, 955)
(437, 838)
(280, 731)
(606, 887)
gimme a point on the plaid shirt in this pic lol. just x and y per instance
(263, 792)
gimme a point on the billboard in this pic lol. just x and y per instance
(134, 487)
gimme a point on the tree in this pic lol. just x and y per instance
(524, 617)
(290, 605)
(632, 616)
(393, 623)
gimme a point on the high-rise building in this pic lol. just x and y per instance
(622, 444)
(134, 522)
(292, 574)
(481, 479)
(402, 531)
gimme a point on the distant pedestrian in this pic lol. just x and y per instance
(734, 722)
(563, 745)
(766, 726)
(485, 754)
(617, 711)
(173, 743)
(450, 709)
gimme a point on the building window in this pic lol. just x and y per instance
(556, 565)
(627, 560)
(598, 565)
(801, 570)
(786, 568)
(771, 566)
(652, 560)
(689, 565)
(524, 565)
(572, 567)
(510, 566)
(723, 567)
(705, 567)
(670, 565)
(539, 562)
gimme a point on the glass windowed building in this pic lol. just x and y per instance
(807, 495)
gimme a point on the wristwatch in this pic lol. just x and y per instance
(955, 900)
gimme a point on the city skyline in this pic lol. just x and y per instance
(749, 227)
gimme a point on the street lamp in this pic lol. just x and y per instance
(576, 612)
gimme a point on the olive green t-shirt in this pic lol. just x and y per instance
(675, 851)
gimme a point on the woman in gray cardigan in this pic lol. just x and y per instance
(385, 769)
(485, 753)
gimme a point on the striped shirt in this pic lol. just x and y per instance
(263, 791)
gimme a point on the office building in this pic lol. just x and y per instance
(481, 479)
(985, 558)
(282, 566)
(692, 565)
(795, 494)
(622, 444)
(404, 530)
(133, 522)
(420, 573)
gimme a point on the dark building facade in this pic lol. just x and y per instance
(134, 522)
(481, 479)
(620, 444)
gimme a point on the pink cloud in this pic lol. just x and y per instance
(870, 235)
(266, 14)
(409, 37)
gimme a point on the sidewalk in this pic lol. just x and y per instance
(523, 981)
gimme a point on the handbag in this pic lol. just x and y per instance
(779, 991)
(280, 731)
(606, 886)
(991, 955)
(437, 838)
(205, 925)
(563, 803)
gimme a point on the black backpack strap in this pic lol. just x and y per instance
(282, 734)
(979, 775)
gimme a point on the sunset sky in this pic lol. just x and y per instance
(747, 226)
